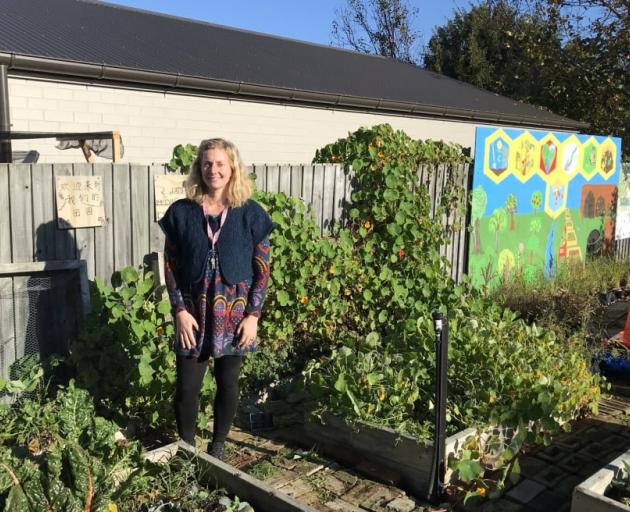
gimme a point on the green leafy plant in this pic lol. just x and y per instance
(124, 356)
(183, 157)
(29, 377)
(263, 470)
(619, 488)
(65, 478)
(502, 371)
(485, 462)
(568, 304)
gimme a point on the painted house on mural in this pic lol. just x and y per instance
(85, 66)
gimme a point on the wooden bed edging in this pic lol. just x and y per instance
(258, 494)
(380, 452)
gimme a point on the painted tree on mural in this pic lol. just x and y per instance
(479, 203)
(511, 204)
(533, 242)
(506, 263)
(496, 224)
(533, 246)
(536, 200)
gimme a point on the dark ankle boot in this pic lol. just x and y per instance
(217, 450)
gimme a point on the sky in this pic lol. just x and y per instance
(297, 19)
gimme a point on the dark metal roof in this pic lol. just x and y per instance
(99, 40)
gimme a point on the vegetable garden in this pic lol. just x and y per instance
(348, 312)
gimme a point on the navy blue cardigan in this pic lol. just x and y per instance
(185, 225)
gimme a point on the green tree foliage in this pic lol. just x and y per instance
(497, 48)
(381, 27)
(569, 56)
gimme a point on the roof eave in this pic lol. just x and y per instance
(28, 63)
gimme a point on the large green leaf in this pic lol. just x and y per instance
(340, 384)
(468, 469)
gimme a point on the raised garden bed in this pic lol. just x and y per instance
(589, 496)
(258, 494)
(379, 452)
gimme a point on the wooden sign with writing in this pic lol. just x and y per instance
(79, 201)
(168, 189)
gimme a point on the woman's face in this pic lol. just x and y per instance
(215, 169)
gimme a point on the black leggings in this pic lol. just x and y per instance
(190, 374)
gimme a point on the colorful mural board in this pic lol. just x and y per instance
(539, 200)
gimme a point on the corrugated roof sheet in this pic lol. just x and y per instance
(100, 33)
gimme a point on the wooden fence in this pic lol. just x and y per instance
(29, 232)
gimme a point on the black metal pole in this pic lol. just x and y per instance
(6, 155)
(438, 466)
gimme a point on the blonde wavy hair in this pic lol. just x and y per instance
(239, 188)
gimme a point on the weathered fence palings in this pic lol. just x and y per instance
(130, 232)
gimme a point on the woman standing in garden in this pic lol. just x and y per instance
(217, 269)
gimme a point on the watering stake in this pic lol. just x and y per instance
(436, 482)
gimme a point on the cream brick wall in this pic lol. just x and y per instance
(152, 123)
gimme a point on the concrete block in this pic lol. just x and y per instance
(589, 495)
(531, 466)
(550, 476)
(574, 463)
(549, 500)
(552, 454)
(501, 505)
(525, 491)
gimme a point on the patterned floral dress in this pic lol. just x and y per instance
(217, 306)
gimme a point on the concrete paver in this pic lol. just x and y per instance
(525, 491)
(549, 474)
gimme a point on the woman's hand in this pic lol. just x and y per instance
(186, 327)
(246, 331)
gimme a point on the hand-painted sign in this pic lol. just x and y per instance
(168, 188)
(79, 201)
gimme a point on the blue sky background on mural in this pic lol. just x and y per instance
(523, 191)
(307, 21)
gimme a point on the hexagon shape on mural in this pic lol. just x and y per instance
(570, 155)
(548, 161)
(589, 157)
(497, 156)
(556, 198)
(607, 158)
(523, 154)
